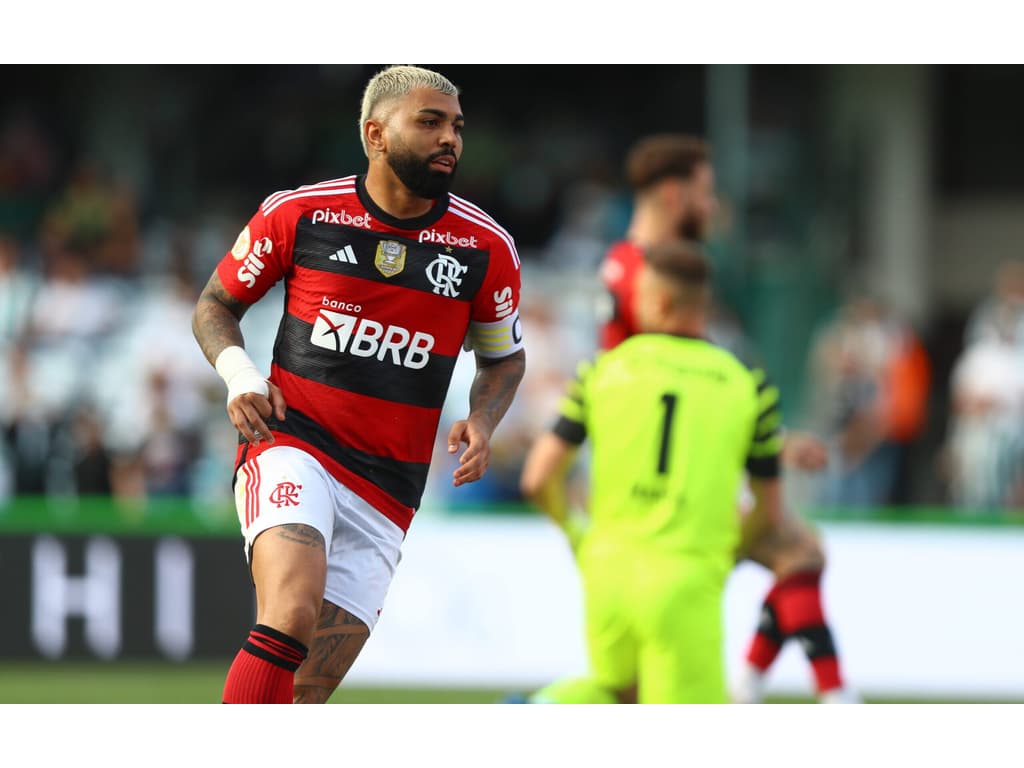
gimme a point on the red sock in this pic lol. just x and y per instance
(263, 672)
(798, 608)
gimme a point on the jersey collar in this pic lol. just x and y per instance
(419, 222)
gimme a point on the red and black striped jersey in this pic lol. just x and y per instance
(619, 272)
(376, 313)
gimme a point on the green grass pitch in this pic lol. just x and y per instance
(147, 682)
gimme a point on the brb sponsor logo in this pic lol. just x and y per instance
(360, 336)
(254, 263)
(446, 238)
(327, 216)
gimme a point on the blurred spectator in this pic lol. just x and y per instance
(984, 453)
(93, 464)
(97, 220)
(171, 443)
(28, 429)
(71, 306)
(584, 234)
(17, 290)
(27, 170)
(156, 389)
(871, 379)
(1004, 306)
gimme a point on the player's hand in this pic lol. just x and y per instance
(803, 450)
(474, 460)
(248, 410)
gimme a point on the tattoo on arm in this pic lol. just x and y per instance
(306, 535)
(494, 386)
(215, 321)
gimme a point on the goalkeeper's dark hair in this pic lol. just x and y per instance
(681, 262)
(664, 155)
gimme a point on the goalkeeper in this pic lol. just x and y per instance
(672, 422)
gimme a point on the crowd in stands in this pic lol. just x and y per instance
(105, 392)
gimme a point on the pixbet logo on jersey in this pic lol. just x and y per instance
(363, 337)
(254, 264)
(327, 216)
(446, 238)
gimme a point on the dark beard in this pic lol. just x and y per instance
(692, 228)
(417, 176)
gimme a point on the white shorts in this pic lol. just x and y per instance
(284, 485)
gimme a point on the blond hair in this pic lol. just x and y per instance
(393, 83)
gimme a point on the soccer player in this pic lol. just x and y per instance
(387, 274)
(672, 180)
(672, 421)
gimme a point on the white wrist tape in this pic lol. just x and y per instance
(239, 373)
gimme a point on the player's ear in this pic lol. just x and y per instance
(671, 190)
(374, 132)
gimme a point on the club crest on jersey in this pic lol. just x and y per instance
(444, 274)
(241, 247)
(390, 259)
(286, 494)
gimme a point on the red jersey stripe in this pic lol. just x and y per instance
(402, 432)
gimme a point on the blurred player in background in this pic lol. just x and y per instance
(387, 274)
(672, 180)
(672, 421)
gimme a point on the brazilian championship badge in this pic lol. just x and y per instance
(390, 259)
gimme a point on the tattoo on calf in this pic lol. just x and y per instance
(337, 641)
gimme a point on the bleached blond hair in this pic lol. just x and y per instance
(393, 83)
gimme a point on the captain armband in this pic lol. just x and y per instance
(498, 339)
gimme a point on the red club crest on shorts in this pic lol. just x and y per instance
(286, 494)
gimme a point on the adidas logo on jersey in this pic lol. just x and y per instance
(345, 254)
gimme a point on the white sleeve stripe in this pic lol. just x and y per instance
(275, 195)
(472, 206)
(463, 203)
(320, 193)
(505, 236)
(344, 181)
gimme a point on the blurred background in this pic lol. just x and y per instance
(868, 251)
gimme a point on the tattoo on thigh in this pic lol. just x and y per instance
(301, 534)
(337, 641)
